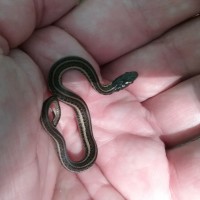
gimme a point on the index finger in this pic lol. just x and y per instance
(110, 28)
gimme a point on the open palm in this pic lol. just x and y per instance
(136, 129)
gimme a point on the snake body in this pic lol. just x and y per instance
(60, 93)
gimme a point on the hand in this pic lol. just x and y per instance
(132, 128)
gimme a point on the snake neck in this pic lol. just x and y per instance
(118, 84)
(106, 89)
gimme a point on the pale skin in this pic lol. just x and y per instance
(135, 129)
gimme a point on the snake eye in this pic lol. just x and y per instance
(124, 80)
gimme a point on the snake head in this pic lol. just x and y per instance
(124, 80)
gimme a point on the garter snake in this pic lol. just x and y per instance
(60, 93)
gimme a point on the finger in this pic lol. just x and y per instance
(184, 171)
(112, 28)
(175, 112)
(27, 15)
(162, 63)
(50, 11)
(48, 45)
